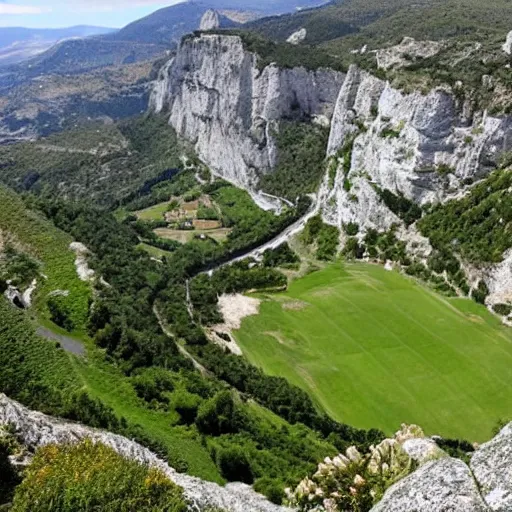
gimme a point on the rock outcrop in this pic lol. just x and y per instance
(409, 49)
(507, 46)
(34, 429)
(298, 36)
(492, 467)
(437, 486)
(449, 484)
(210, 20)
(422, 146)
(228, 108)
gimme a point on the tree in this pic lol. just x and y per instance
(234, 465)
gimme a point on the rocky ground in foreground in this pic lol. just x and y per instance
(440, 483)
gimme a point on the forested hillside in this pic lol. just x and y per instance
(103, 163)
(135, 381)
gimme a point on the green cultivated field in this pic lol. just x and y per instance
(377, 349)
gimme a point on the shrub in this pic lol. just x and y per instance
(220, 415)
(312, 229)
(352, 249)
(234, 465)
(207, 213)
(151, 383)
(480, 293)
(192, 195)
(502, 309)
(282, 256)
(60, 313)
(408, 211)
(328, 240)
(351, 229)
(273, 490)
(186, 405)
(88, 476)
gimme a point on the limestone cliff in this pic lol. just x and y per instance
(228, 108)
(427, 146)
(423, 146)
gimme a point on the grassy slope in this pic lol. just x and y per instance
(377, 349)
(39, 238)
(19, 345)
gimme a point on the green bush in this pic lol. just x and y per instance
(351, 229)
(60, 313)
(352, 249)
(480, 293)
(328, 241)
(234, 465)
(220, 415)
(186, 405)
(502, 309)
(207, 213)
(151, 384)
(408, 211)
(88, 476)
(312, 229)
(282, 256)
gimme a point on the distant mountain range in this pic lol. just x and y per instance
(18, 44)
(150, 36)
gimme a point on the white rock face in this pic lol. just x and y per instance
(492, 466)
(210, 20)
(438, 486)
(401, 140)
(227, 108)
(507, 46)
(85, 273)
(401, 54)
(36, 429)
(298, 37)
(425, 147)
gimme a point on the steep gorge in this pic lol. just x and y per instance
(427, 147)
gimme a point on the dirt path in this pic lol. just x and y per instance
(184, 352)
(68, 344)
(61, 149)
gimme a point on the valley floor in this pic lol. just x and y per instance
(377, 349)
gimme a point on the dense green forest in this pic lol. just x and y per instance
(479, 226)
(300, 165)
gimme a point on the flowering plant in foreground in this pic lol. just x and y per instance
(352, 482)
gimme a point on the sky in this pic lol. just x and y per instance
(66, 13)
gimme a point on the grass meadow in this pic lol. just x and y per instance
(376, 349)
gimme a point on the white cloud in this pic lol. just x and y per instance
(21, 9)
